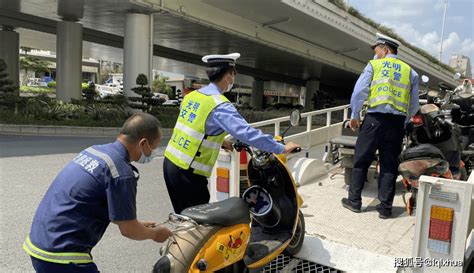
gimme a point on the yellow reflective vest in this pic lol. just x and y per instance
(390, 84)
(189, 146)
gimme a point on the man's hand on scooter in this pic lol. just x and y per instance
(149, 224)
(161, 234)
(354, 124)
(227, 145)
(290, 146)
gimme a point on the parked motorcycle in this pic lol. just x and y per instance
(237, 234)
(434, 150)
(458, 107)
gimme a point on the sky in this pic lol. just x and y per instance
(419, 22)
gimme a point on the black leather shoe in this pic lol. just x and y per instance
(384, 213)
(348, 205)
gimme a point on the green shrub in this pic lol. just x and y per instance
(144, 92)
(115, 100)
(110, 112)
(166, 115)
(52, 84)
(45, 110)
(37, 89)
(6, 85)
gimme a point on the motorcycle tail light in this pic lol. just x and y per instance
(441, 226)
(417, 120)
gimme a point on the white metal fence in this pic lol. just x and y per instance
(313, 136)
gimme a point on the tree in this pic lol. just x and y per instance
(33, 63)
(142, 90)
(159, 85)
(6, 85)
(8, 95)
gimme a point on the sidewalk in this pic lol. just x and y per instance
(48, 130)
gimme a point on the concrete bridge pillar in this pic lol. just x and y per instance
(137, 50)
(68, 60)
(257, 94)
(311, 87)
(9, 52)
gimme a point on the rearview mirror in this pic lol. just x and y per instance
(425, 78)
(295, 117)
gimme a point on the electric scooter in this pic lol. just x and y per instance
(240, 234)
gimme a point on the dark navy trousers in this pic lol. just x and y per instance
(186, 189)
(41, 266)
(382, 132)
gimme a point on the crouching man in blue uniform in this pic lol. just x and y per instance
(97, 187)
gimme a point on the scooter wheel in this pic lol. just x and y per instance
(298, 238)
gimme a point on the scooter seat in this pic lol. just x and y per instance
(421, 151)
(224, 213)
(346, 141)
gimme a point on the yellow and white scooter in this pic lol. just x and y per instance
(239, 234)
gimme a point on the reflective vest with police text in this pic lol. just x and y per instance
(189, 146)
(390, 84)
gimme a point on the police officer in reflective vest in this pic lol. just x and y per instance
(206, 116)
(390, 87)
(97, 187)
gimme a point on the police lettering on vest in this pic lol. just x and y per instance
(190, 147)
(390, 84)
(181, 141)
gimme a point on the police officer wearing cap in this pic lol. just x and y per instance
(97, 187)
(390, 87)
(206, 116)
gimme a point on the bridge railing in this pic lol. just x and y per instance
(225, 178)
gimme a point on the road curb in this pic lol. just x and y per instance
(47, 130)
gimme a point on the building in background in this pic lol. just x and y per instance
(461, 64)
(90, 67)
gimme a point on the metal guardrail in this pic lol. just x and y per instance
(310, 138)
(309, 118)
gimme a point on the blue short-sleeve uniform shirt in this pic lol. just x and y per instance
(98, 186)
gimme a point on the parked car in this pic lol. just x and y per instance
(171, 102)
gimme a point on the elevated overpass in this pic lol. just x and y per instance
(306, 44)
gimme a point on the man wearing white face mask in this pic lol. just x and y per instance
(97, 187)
(206, 116)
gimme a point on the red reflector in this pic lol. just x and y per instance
(416, 120)
(222, 184)
(243, 157)
(440, 230)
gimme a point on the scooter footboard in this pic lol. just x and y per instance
(182, 252)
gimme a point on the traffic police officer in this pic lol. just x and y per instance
(390, 87)
(97, 187)
(206, 116)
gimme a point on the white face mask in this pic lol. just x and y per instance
(376, 57)
(229, 87)
(147, 159)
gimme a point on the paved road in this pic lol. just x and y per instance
(22, 145)
(27, 167)
(28, 164)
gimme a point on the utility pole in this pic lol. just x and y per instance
(442, 29)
